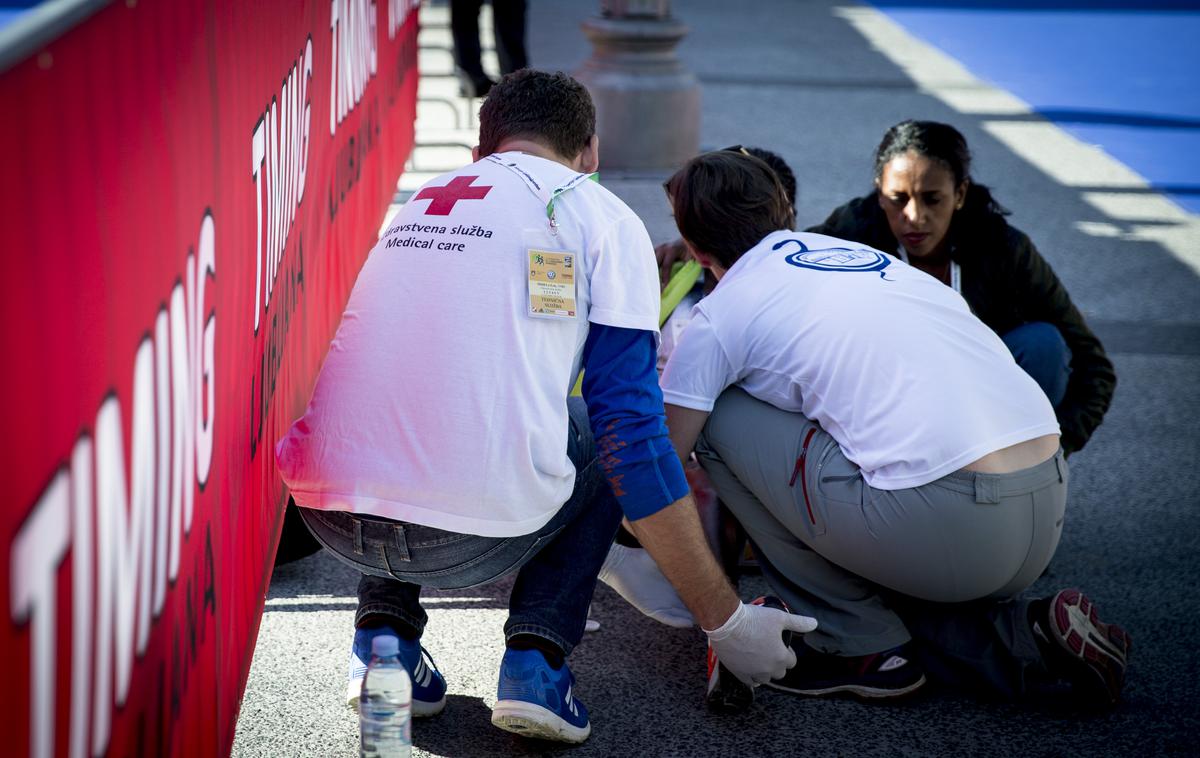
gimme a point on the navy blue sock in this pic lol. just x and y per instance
(554, 654)
(400, 626)
(625, 537)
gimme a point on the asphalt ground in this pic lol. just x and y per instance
(819, 83)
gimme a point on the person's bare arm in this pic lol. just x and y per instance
(668, 254)
(676, 541)
(684, 426)
(679, 536)
(746, 638)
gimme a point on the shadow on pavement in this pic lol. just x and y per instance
(465, 728)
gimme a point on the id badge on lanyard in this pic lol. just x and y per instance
(551, 279)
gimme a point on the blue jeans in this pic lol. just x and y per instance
(557, 565)
(1041, 350)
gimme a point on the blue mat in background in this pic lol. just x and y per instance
(1122, 75)
(10, 10)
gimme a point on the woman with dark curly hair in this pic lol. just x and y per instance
(926, 210)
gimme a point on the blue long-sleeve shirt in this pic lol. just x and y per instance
(625, 407)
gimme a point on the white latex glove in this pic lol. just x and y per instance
(750, 643)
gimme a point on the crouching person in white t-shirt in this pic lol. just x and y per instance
(440, 450)
(899, 475)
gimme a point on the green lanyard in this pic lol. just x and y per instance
(681, 283)
(536, 189)
(580, 179)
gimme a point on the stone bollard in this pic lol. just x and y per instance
(647, 102)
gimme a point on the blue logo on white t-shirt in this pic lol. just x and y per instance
(836, 258)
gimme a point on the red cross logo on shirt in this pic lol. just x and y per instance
(444, 198)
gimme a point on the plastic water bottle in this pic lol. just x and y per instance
(385, 708)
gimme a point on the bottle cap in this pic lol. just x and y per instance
(385, 645)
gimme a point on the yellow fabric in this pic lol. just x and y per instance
(681, 283)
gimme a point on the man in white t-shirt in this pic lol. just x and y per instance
(440, 448)
(889, 460)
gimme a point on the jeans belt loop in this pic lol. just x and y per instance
(357, 526)
(987, 489)
(1058, 465)
(401, 542)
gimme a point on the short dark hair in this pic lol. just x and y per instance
(786, 177)
(726, 202)
(552, 109)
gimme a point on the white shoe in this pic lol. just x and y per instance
(591, 625)
(636, 577)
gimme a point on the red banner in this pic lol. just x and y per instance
(189, 190)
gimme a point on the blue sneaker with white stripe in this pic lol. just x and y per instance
(534, 700)
(428, 684)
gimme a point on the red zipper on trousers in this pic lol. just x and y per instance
(800, 472)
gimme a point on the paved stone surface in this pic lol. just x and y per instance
(819, 83)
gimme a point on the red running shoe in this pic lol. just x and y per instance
(1090, 654)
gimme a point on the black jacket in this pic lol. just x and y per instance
(1007, 283)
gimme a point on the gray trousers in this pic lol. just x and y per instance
(938, 564)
